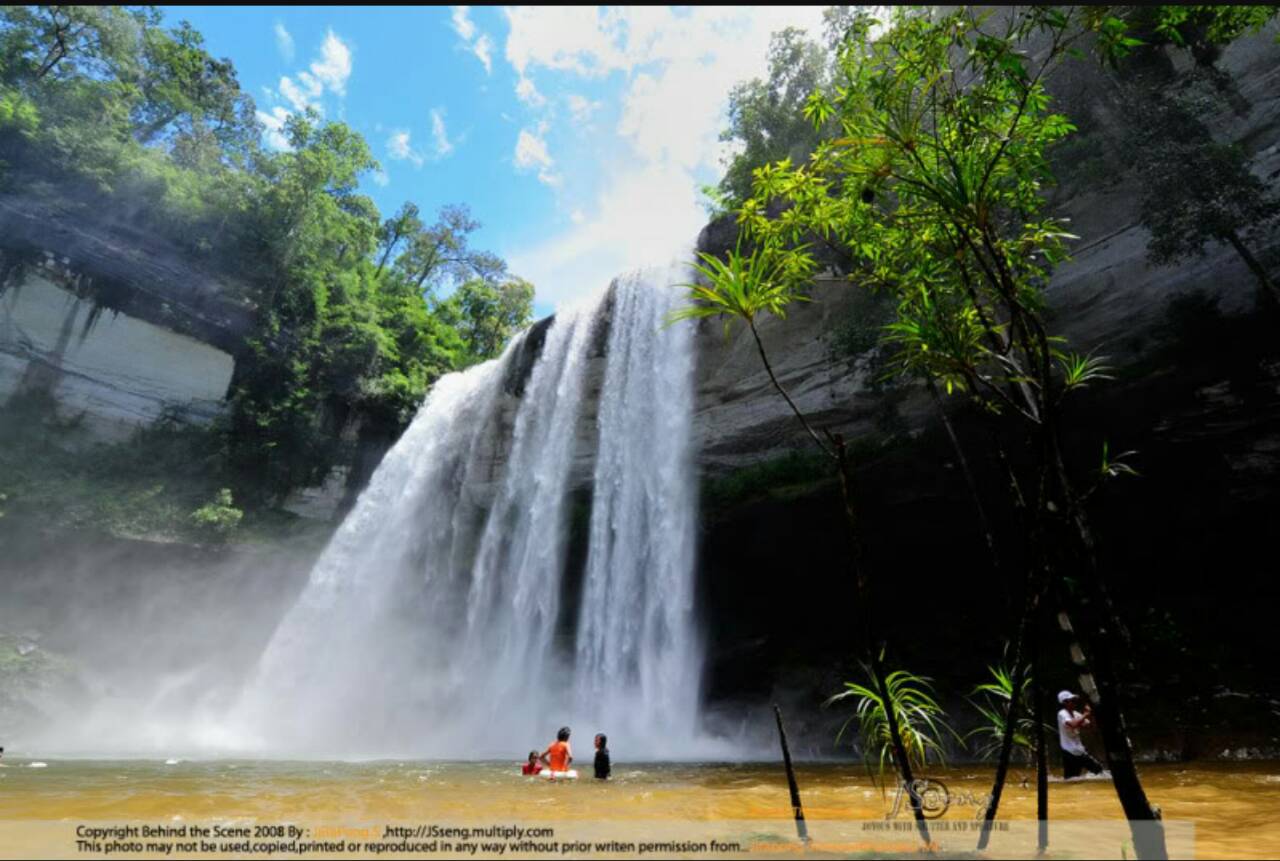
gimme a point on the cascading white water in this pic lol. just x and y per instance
(638, 658)
(437, 622)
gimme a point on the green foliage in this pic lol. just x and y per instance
(17, 114)
(935, 188)
(120, 114)
(993, 705)
(1195, 190)
(745, 286)
(187, 93)
(862, 329)
(65, 42)
(765, 121)
(487, 314)
(144, 487)
(1114, 466)
(1205, 29)
(921, 720)
(1078, 371)
(219, 517)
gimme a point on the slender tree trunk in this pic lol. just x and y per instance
(386, 254)
(802, 830)
(1103, 631)
(1144, 820)
(1042, 765)
(983, 522)
(1019, 675)
(1269, 290)
(873, 653)
(840, 454)
(52, 59)
(786, 397)
(146, 135)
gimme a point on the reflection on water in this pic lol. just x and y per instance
(1233, 806)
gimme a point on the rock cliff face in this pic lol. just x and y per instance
(1107, 298)
(118, 372)
(116, 327)
(1197, 395)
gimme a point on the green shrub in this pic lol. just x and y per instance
(220, 517)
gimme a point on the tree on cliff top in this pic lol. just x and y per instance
(765, 119)
(1197, 191)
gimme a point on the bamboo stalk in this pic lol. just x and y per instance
(802, 829)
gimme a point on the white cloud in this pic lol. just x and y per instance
(462, 24)
(284, 42)
(678, 68)
(582, 109)
(303, 93)
(531, 153)
(439, 135)
(400, 143)
(476, 40)
(400, 149)
(273, 124)
(582, 39)
(333, 68)
(328, 72)
(642, 218)
(483, 49)
(528, 93)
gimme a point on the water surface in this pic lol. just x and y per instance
(1233, 806)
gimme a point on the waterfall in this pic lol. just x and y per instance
(637, 656)
(446, 618)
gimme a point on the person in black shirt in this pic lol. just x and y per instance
(603, 766)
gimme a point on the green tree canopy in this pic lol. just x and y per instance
(766, 123)
(486, 313)
(108, 108)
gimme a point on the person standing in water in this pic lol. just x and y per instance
(1075, 758)
(603, 767)
(558, 755)
(532, 766)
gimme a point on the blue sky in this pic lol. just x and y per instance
(577, 135)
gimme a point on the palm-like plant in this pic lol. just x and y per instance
(921, 720)
(745, 286)
(994, 709)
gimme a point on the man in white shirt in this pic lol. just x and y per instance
(1072, 719)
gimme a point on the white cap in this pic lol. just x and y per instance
(1063, 696)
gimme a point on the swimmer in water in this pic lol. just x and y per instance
(603, 766)
(558, 754)
(532, 766)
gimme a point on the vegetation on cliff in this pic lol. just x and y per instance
(108, 110)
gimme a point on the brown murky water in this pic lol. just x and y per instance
(1234, 808)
